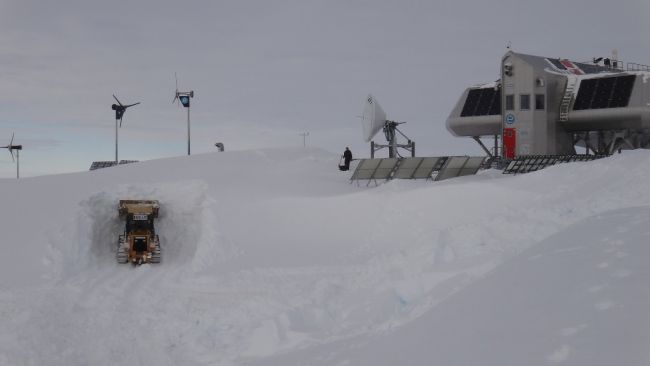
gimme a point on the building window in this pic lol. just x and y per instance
(524, 102)
(539, 102)
(510, 102)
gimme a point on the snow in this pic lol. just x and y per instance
(271, 257)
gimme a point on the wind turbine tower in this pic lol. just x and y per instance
(11, 147)
(119, 109)
(184, 98)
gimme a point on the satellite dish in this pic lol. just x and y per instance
(373, 119)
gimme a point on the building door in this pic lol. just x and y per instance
(509, 143)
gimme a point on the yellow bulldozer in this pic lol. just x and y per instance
(139, 244)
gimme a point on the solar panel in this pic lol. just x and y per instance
(496, 104)
(452, 167)
(472, 165)
(607, 92)
(531, 163)
(127, 161)
(585, 94)
(622, 91)
(604, 90)
(101, 164)
(586, 68)
(591, 69)
(482, 102)
(556, 63)
(407, 168)
(428, 166)
(483, 106)
(365, 169)
(385, 168)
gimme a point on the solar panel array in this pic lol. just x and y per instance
(101, 164)
(531, 163)
(417, 168)
(482, 102)
(608, 92)
(586, 68)
(107, 164)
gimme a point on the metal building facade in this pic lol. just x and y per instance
(545, 106)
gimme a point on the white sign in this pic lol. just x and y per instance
(140, 217)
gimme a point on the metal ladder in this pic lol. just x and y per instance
(567, 98)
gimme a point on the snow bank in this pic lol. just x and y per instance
(269, 253)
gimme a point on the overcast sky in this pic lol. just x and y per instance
(266, 71)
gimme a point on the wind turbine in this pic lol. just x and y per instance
(184, 98)
(11, 148)
(119, 114)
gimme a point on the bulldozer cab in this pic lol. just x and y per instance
(139, 222)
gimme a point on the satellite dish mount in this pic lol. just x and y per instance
(374, 120)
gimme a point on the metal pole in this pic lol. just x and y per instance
(304, 138)
(188, 130)
(393, 141)
(17, 164)
(116, 141)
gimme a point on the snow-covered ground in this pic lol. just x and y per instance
(271, 257)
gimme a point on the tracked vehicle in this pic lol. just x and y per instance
(139, 243)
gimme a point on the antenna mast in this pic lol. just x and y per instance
(304, 137)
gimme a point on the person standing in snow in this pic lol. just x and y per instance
(347, 156)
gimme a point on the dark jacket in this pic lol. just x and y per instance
(347, 155)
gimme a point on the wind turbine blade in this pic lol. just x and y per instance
(12, 139)
(120, 123)
(118, 101)
(131, 105)
(12, 155)
(176, 92)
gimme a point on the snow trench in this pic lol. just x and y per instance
(187, 227)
